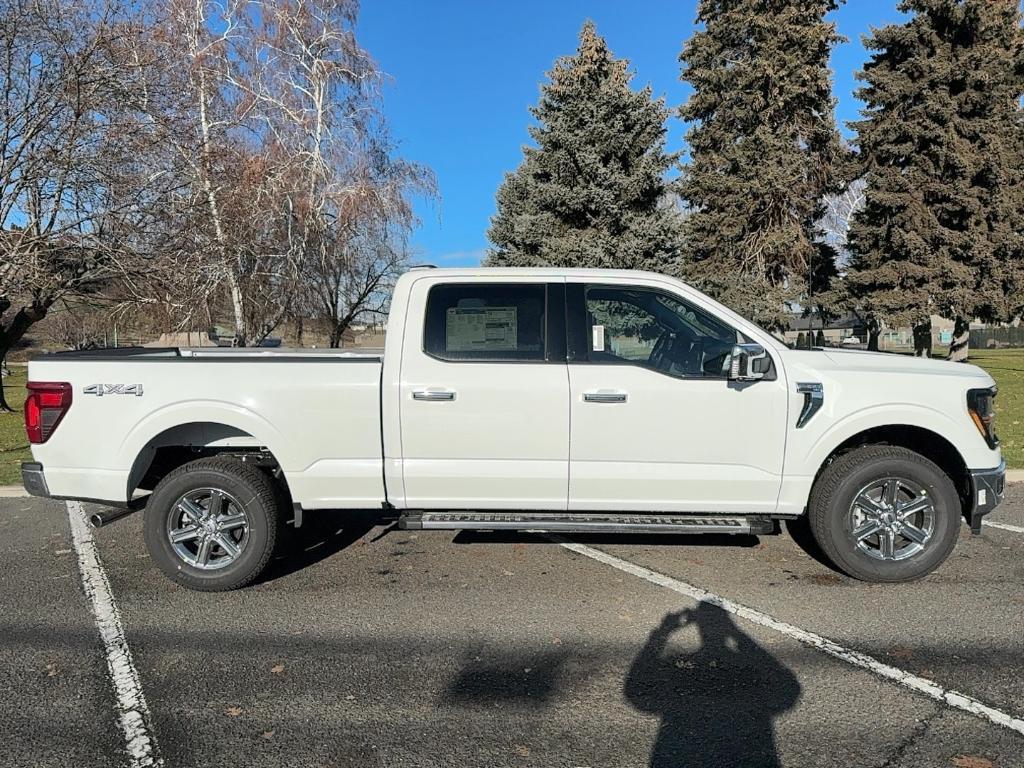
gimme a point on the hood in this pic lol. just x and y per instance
(888, 362)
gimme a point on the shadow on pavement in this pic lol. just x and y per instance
(717, 696)
(717, 704)
(743, 541)
(322, 534)
(799, 529)
(527, 679)
(326, 532)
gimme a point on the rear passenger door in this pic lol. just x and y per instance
(484, 395)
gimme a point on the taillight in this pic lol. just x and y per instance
(981, 407)
(45, 406)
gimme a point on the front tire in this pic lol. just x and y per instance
(885, 514)
(211, 525)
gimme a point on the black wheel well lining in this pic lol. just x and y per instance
(925, 442)
(159, 458)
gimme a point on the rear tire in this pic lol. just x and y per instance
(885, 514)
(212, 524)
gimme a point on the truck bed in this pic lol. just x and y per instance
(316, 411)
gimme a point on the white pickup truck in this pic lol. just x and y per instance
(542, 400)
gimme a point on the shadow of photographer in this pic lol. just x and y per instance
(717, 704)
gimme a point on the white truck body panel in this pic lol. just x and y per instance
(348, 431)
(665, 449)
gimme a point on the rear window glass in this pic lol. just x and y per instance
(474, 321)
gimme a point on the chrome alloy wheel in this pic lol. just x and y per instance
(892, 518)
(208, 529)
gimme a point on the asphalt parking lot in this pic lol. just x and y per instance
(375, 647)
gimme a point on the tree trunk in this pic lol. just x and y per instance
(10, 335)
(4, 406)
(336, 333)
(257, 333)
(874, 331)
(237, 305)
(923, 338)
(24, 319)
(961, 346)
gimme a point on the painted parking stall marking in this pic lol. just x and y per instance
(1003, 526)
(132, 711)
(921, 685)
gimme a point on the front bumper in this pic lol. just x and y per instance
(33, 479)
(988, 486)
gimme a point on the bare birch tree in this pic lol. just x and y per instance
(344, 200)
(834, 225)
(366, 247)
(73, 179)
(172, 158)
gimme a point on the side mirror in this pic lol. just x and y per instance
(749, 362)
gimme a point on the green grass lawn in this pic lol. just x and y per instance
(13, 442)
(1007, 368)
(1005, 365)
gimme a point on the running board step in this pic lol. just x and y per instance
(584, 522)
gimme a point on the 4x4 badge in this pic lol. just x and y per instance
(113, 389)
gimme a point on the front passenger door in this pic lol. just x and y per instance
(655, 423)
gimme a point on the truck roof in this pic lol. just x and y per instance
(542, 272)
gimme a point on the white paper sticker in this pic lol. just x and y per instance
(598, 344)
(491, 329)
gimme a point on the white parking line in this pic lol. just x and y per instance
(1003, 526)
(132, 711)
(921, 685)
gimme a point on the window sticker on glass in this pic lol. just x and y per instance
(481, 329)
(598, 345)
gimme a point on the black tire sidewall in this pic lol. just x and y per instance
(159, 508)
(861, 565)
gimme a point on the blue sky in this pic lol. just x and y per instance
(463, 73)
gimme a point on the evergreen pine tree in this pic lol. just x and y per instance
(764, 153)
(941, 143)
(592, 192)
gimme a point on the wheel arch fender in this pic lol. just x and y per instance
(878, 419)
(923, 430)
(200, 424)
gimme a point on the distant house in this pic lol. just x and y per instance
(843, 328)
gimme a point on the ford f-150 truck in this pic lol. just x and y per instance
(531, 399)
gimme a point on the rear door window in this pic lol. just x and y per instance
(486, 321)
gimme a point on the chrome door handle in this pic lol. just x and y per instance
(438, 395)
(605, 396)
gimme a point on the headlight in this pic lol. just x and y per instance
(981, 406)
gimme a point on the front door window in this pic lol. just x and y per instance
(655, 330)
